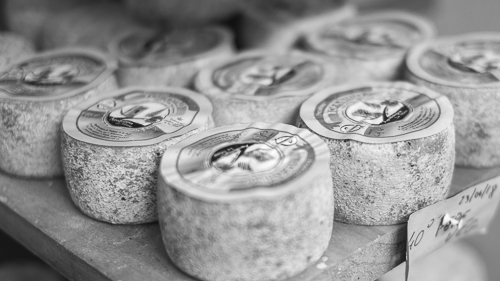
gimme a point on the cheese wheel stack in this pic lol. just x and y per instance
(466, 69)
(370, 47)
(278, 25)
(392, 148)
(263, 87)
(90, 25)
(112, 145)
(14, 47)
(169, 58)
(246, 202)
(457, 261)
(35, 94)
(182, 12)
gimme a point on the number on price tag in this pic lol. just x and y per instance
(467, 213)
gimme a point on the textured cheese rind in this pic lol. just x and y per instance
(382, 68)
(31, 133)
(278, 34)
(116, 184)
(279, 110)
(258, 239)
(14, 47)
(454, 262)
(182, 12)
(476, 120)
(382, 184)
(91, 25)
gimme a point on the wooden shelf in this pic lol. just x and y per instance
(42, 217)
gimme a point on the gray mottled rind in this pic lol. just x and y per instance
(381, 69)
(233, 111)
(116, 184)
(31, 133)
(179, 74)
(90, 25)
(247, 240)
(382, 184)
(14, 47)
(476, 119)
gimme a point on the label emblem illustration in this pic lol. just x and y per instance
(474, 62)
(241, 160)
(162, 46)
(138, 116)
(267, 76)
(50, 76)
(373, 112)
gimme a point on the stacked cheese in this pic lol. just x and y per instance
(392, 148)
(370, 47)
(169, 58)
(36, 93)
(246, 202)
(112, 145)
(466, 69)
(261, 86)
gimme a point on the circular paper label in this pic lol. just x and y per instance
(467, 61)
(370, 37)
(268, 76)
(233, 161)
(50, 76)
(137, 117)
(386, 112)
(141, 48)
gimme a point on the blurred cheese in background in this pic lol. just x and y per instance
(91, 24)
(182, 12)
(14, 47)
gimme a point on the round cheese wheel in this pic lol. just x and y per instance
(35, 94)
(112, 144)
(392, 148)
(14, 47)
(370, 47)
(172, 58)
(263, 87)
(466, 69)
(278, 25)
(27, 17)
(182, 12)
(457, 261)
(90, 25)
(258, 199)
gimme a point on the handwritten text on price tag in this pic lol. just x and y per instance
(469, 212)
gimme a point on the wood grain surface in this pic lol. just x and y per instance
(42, 217)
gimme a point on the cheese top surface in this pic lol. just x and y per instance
(469, 60)
(371, 36)
(136, 116)
(166, 47)
(261, 76)
(377, 112)
(244, 160)
(54, 75)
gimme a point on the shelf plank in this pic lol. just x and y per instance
(42, 217)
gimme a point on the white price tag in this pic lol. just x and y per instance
(467, 213)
